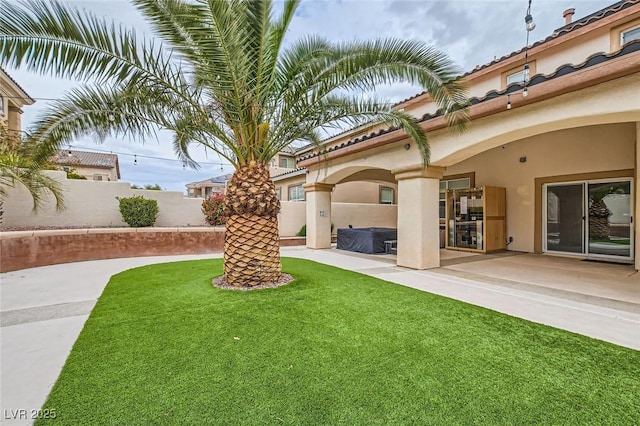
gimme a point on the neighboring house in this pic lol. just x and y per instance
(12, 99)
(282, 163)
(92, 165)
(208, 187)
(561, 135)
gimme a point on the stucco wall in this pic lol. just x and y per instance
(92, 203)
(565, 152)
(88, 172)
(360, 192)
(293, 216)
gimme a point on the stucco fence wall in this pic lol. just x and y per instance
(93, 204)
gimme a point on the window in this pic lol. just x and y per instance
(279, 193)
(631, 34)
(387, 195)
(97, 177)
(516, 77)
(461, 183)
(296, 193)
(287, 163)
(1, 105)
(66, 168)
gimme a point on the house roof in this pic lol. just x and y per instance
(87, 159)
(290, 173)
(21, 92)
(566, 29)
(216, 180)
(596, 59)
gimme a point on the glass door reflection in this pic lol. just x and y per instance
(609, 218)
(565, 218)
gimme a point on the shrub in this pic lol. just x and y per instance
(213, 210)
(138, 212)
(73, 174)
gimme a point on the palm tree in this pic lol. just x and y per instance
(223, 78)
(21, 164)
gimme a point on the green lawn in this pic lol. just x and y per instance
(334, 347)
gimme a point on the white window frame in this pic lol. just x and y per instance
(393, 195)
(622, 34)
(290, 163)
(298, 193)
(521, 77)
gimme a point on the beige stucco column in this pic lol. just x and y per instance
(636, 216)
(418, 218)
(318, 197)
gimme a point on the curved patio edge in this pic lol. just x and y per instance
(29, 249)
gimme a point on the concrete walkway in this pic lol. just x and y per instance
(44, 309)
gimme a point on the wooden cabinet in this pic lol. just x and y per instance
(476, 219)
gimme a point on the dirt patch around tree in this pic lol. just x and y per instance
(284, 279)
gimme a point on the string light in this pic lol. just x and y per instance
(135, 159)
(508, 101)
(126, 154)
(530, 25)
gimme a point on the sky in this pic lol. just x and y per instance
(471, 32)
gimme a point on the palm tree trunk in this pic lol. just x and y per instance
(252, 243)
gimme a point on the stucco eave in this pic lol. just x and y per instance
(607, 71)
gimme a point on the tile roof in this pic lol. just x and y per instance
(595, 59)
(580, 23)
(85, 158)
(290, 173)
(29, 98)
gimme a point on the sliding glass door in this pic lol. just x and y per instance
(565, 218)
(591, 218)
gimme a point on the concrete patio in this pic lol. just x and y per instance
(44, 309)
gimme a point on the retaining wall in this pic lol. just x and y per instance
(28, 249)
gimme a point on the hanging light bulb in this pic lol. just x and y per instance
(525, 93)
(508, 101)
(69, 153)
(135, 160)
(528, 20)
(526, 72)
(211, 117)
(184, 165)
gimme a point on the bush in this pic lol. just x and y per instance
(73, 174)
(213, 210)
(138, 212)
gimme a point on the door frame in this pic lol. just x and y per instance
(539, 182)
(585, 221)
